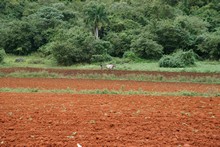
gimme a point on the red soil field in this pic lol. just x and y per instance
(114, 72)
(39, 119)
(82, 84)
(46, 119)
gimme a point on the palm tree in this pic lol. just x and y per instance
(96, 16)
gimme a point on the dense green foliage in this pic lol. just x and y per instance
(178, 59)
(76, 31)
(2, 55)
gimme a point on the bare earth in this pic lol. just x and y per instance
(114, 72)
(108, 120)
(82, 84)
(47, 119)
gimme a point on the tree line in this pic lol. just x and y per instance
(76, 31)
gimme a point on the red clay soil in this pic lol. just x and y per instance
(115, 72)
(82, 84)
(108, 120)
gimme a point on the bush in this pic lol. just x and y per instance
(63, 53)
(36, 61)
(67, 54)
(101, 47)
(73, 46)
(120, 43)
(2, 55)
(165, 61)
(17, 60)
(194, 25)
(18, 38)
(178, 59)
(208, 46)
(130, 55)
(147, 48)
(46, 49)
(172, 36)
(101, 58)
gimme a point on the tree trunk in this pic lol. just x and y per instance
(96, 33)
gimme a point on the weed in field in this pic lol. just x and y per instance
(122, 88)
(10, 113)
(137, 112)
(133, 77)
(63, 108)
(42, 74)
(188, 93)
(140, 90)
(92, 122)
(185, 113)
(106, 91)
(72, 135)
(2, 74)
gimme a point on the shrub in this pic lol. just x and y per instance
(19, 38)
(19, 60)
(101, 47)
(67, 54)
(101, 58)
(36, 61)
(2, 55)
(165, 61)
(120, 42)
(178, 59)
(130, 55)
(63, 53)
(46, 49)
(147, 48)
(208, 46)
(194, 25)
(172, 36)
(73, 46)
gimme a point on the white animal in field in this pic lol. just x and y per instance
(110, 66)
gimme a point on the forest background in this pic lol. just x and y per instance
(86, 31)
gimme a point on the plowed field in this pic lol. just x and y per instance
(82, 84)
(114, 72)
(47, 119)
(108, 120)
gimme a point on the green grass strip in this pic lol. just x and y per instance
(25, 74)
(150, 78)
(106, 91)
(133, 77)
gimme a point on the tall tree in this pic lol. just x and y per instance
(96, 16)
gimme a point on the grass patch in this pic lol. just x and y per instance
(152, 78)
(109, 92)
(20, 90)
(25, 74)
(133, 77)
(36, 60)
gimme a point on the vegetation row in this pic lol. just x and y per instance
(115, 92)
(176, 32)
(134, 77)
